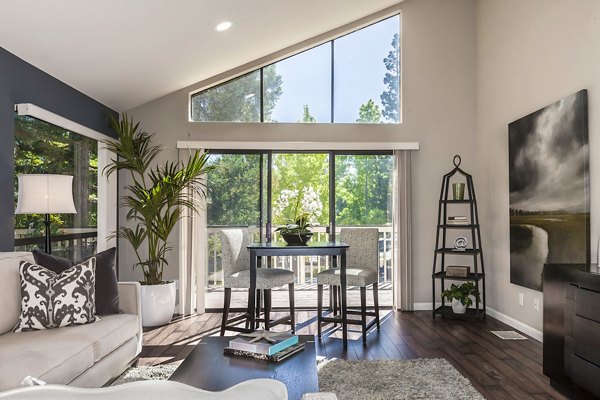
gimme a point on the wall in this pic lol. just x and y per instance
(529, 54)
(21, 82)
(438, 52)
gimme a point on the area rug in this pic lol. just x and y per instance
(146, 373)
(423, 378)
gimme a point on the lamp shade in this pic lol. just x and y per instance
(45, 194)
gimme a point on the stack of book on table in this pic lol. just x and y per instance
(262, 345)
(458, 220)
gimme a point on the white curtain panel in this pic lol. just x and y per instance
(403, 293)
(192, 253)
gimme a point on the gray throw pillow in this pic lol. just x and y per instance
(107, 287)
(50, 300)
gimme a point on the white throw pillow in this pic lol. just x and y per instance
(50, 300)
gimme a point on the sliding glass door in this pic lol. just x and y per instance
(259, 191)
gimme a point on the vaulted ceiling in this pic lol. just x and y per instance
(124, 53)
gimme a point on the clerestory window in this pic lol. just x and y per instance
(351, 79)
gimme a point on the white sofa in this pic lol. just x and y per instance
(255, 389)
(85, 355)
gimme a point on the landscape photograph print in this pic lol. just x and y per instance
(549, 189)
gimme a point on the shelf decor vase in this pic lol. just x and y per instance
(297, 239)
(458, 307)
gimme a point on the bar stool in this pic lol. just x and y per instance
(236, 272)
(362, 269)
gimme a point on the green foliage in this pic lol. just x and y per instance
(156, 195)
(239, 99)
(233, 192)
(369, 113)
(390, 98)
(306, 115)
(363, 190)
(462, 293)
(300, 172)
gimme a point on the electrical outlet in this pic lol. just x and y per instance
(521, 299)
(536, 304)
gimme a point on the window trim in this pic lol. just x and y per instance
(107, 187)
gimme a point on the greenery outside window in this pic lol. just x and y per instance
(44, 148)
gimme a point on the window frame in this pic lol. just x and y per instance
(331, 42)
(107, 187)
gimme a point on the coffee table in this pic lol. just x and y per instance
(208, 368)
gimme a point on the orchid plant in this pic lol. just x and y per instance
(299, 209)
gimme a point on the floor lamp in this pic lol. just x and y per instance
(46, 194)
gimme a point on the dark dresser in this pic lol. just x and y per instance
(572, 329)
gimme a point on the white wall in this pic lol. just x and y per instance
(529, 54)
(438, 60)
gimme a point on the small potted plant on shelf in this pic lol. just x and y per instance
(461, 296)
(302, 207)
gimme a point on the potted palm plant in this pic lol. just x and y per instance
(155, 199)
(461, 296)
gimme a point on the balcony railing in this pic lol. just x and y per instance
(73, 244)
(305, 268)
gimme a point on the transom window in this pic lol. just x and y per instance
(352, 79)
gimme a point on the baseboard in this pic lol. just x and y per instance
(518, 325)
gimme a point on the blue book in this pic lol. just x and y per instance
(283, 341)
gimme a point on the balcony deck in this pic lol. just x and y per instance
(305, 296)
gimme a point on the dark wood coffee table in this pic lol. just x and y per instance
(208, 368)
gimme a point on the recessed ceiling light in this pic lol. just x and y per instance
(223, 26)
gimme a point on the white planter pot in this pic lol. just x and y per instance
(158, 304)
(458, 307)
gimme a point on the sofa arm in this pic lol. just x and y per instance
(130, 302)
(129, 298)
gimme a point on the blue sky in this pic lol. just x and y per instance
(359, 73)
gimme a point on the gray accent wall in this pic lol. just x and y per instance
(21, 82)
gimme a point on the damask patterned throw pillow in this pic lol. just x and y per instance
(50, 300)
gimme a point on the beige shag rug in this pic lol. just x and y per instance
(423, 378)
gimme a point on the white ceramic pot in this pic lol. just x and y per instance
(458, 307)
(158, 304)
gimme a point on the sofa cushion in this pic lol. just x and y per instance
(106, 335)
(53, 355)
(10, 288)
(107, 292)
(50, 300)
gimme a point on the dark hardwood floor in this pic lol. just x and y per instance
(499, 369)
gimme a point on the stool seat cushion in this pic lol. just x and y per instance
(266, 278)
(354, 277)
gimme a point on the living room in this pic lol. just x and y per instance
(471, 75)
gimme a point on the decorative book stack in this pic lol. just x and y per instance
(458, 220)
(263, 345)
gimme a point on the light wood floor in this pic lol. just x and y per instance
(498, 369)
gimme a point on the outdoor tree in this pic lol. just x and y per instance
(363, 190)
(390, 98)
(369, 113)
(306, 115)
(239, 99)
(233, 190)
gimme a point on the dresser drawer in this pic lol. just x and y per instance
(587, 304)
(586, 375)
(586, 343)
